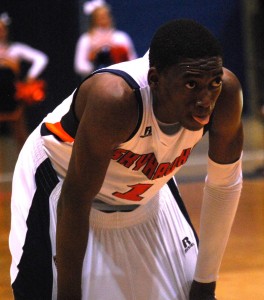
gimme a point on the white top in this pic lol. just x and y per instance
(87, 43)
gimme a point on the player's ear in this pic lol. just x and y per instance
(153, 77)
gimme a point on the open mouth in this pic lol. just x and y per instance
(202, 120)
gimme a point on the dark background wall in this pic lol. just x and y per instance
(54, 26)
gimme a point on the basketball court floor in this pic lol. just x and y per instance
(242, 270)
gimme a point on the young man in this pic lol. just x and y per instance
(107, 156)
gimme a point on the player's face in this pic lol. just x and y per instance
(187, 92)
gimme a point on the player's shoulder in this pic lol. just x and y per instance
(107, 84)
(107, 104)
(228, 108)
(104, 92)
(231, 83)
(231, 95)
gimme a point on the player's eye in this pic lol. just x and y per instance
(191, 84)
(217, 82)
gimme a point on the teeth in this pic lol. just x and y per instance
(203, 120)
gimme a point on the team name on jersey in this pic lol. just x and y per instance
(148, 164)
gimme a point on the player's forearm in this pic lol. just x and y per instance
(71, 243)
(221, 197)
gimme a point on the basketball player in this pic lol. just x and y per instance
(96, 211)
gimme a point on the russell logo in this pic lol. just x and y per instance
(187, 244)
(148, 132)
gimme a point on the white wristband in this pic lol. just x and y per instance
(221, 196)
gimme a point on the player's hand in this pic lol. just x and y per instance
(202, 291)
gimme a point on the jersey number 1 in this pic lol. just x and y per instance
(134, 193)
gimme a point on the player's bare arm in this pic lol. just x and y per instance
(219, 204)
(107, 111)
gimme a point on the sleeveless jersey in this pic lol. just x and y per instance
(140, 166)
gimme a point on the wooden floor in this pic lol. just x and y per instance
(242, 271)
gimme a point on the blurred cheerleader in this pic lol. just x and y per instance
(11, 56)
(102, 45)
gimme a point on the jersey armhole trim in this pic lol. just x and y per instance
(66, 129)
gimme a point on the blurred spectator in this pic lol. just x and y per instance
(12, 54)
(102, 45)
(18, 86)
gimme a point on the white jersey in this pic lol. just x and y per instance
(140, 166)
